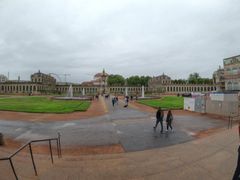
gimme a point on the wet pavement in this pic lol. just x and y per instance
(131, 128)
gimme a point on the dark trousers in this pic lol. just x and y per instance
(169, 124)
(236, 175)
(161, 122)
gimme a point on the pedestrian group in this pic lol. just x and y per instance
(114, 101)
(159, 119)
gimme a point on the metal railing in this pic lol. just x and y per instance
(231, 119)
(29, 144)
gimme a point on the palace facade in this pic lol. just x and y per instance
(232, 73)
(228, 77)
(218, 79)
(164, 84)
(42, 83)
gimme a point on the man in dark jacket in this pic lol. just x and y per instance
(236, 175)
(159, 118)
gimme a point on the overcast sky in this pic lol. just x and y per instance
(127, 37)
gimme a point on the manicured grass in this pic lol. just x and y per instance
(36, 104)
(168, 102)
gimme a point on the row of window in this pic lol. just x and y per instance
(230, 85)
(65, 89)
(232, 71)
(233, 86)
(121, 89)
(117, 89)
(189, 89)
(21, 88)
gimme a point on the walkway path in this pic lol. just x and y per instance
(128, 128)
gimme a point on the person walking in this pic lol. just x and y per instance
(113, 101)
(96, 96)
(159, 119)
(169, 120)
(126, 101)
(236, 175)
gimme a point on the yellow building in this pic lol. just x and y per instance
(232, 73)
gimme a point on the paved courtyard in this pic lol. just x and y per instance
(129, 127)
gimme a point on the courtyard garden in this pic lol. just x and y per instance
(35, 104)
(167, 102)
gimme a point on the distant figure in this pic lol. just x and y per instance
(169, 120)
(236, 175)
(116, 100)
(96, 96)
(113, 101)
(126, 101)
(159, 118)
(131, 97)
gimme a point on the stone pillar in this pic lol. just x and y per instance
(143, 93)
(126, 91)
(83, 91)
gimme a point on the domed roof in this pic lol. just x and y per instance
(3, 78)
(98, 75)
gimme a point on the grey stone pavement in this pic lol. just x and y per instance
(210, 158)
(131, 128)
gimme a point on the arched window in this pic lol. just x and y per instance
(235, 86)
(229, 85)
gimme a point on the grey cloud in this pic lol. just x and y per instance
(124, 37)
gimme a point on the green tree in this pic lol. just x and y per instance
(138, 81)
(144, 80)
(194, 78)
(133, 81)
(116, 80)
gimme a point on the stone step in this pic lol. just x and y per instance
(24, 167)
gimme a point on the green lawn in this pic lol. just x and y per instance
(168, 102)
(36, 104)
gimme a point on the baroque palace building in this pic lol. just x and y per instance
(164, 84)
(42, 83)
(232, 73)
(228, 77)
